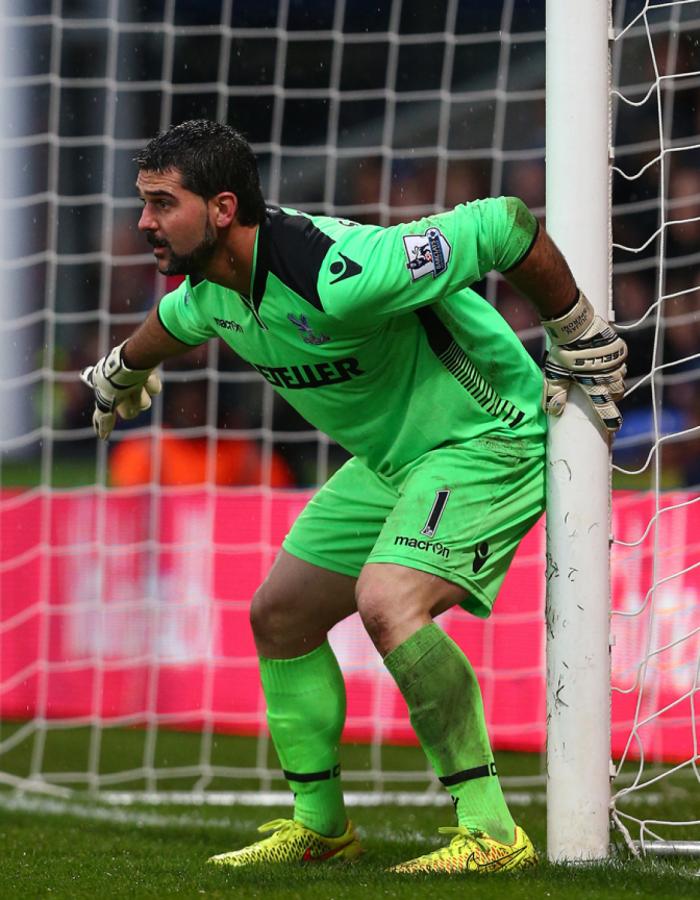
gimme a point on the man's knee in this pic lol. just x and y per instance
(292, 611)
(375, 617)
(266, 613)
(281, 627)
(394, 601)
(381, 609)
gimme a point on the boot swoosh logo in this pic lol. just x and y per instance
(494, 864)
(310, 857)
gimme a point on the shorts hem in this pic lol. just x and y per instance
(321, 561)
(477, 602)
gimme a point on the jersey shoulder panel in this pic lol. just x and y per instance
(292, 247)
(406, 266)
(402, 267)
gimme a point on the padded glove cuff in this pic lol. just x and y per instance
(573, 323)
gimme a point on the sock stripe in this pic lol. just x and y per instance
(305, 777)
(469, 774)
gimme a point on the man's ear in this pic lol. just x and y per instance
(225, 208)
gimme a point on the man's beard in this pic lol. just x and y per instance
(192, 263)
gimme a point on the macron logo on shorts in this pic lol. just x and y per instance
(436, 547)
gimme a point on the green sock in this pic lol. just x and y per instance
(306, 712)
(447, 714)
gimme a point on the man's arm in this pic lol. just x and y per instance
(544, 277)
(124, 380)
(585, 349)
(151, 344)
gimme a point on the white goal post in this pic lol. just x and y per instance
(578, 468)
(583, 156)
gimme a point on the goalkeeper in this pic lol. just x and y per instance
(375, 336)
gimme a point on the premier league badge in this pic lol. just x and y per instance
(427, 253)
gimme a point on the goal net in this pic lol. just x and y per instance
(126, 570)
(656, 288)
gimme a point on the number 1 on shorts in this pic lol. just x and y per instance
(431, 526)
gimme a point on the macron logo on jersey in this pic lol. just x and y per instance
(344, 268)
(228, 325)
(427, 254)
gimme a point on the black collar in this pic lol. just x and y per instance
(262, 256)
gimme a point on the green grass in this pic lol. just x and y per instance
(163, 854)
(68, 750)
(78, 847)
(64, 472)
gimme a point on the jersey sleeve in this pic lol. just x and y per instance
(375, 273)
(179, 314)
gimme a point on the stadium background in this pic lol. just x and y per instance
(397, 178)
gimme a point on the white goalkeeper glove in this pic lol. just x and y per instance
(118, 389)
(585, 350)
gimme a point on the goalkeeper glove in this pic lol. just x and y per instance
(585, 350)
(118, 389)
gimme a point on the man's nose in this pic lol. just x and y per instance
(146, 221)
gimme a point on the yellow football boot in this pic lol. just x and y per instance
(292, 842)
(473, 851)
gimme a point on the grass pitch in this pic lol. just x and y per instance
(74, 847)
(68, 854)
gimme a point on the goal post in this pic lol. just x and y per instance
(578, 209)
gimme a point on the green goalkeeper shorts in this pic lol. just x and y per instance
(458, 512)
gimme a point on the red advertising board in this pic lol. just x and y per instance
(129, 605)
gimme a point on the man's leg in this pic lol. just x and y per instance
(449, 540)
(310, 588)
(291, 615)
(397, 605)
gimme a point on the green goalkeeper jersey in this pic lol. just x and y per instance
(373, 334)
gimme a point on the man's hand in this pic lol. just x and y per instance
(585, 350)
(118, 389)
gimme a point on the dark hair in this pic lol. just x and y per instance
(212, 158)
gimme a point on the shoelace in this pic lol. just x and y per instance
(281, 826)
(462, 835)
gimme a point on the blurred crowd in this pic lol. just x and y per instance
(219, 421)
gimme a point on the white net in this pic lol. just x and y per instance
(656, 558)
(125, 587)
